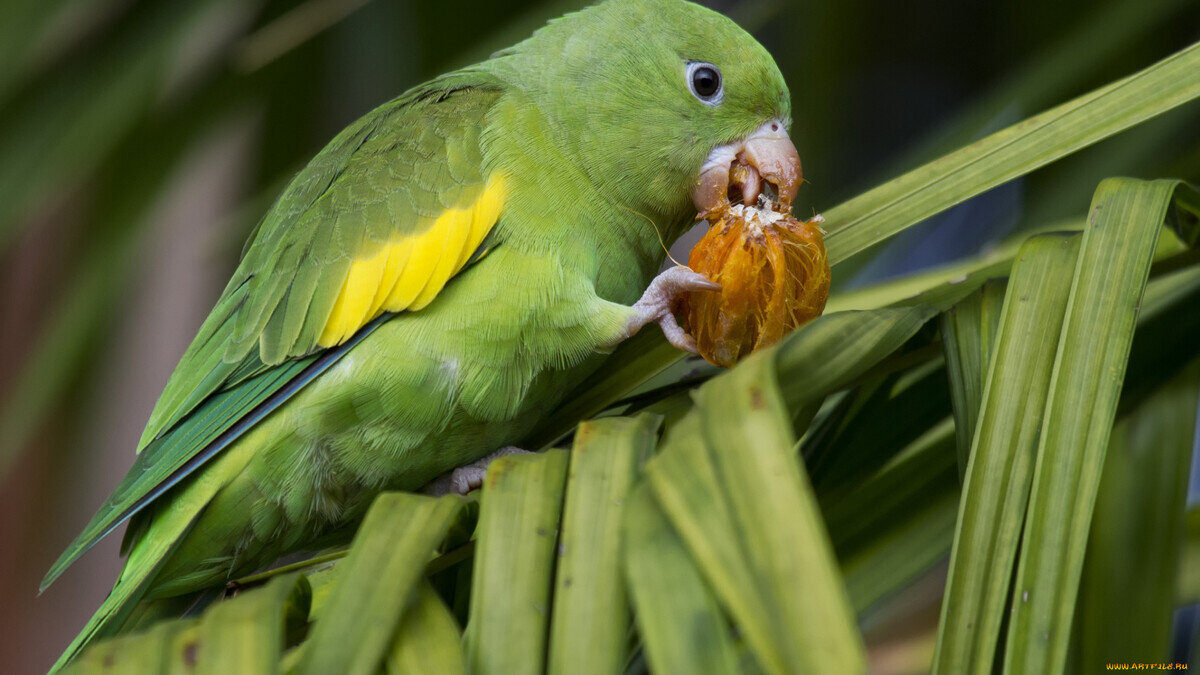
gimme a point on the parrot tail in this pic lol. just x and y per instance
(124, 605)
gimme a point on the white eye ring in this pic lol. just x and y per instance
(700, 76)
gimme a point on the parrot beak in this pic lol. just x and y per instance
(740, 169)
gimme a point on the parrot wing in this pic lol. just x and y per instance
(377, 223)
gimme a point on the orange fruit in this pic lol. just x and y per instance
(774, 277)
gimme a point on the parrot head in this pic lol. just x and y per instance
(659, 101)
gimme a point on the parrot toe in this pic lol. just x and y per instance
(662, 297)
(468, 477)
(675, 334)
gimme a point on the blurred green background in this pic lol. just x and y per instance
(140, 141)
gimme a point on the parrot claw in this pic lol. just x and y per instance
(468, 477)
(662, 297)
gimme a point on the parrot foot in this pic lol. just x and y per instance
(468, 477)
(662, 297)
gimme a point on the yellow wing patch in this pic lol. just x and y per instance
(410, 271)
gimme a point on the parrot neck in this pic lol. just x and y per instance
(618, 248)
(557, 207)
(630, 253)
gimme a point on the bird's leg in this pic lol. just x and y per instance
(658, 303)
(465, 478)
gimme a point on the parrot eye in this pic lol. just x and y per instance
(704, 79)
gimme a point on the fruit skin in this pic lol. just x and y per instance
(774, 276)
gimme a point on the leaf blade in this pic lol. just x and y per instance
(898, 204)
(246, 634)
(590, 620)
(428, 639)
(1111, 274)
(1000, 470)
(514, 563)
(1138, 531)
(665, 585)
(375, 580)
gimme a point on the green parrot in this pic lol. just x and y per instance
(434, 281)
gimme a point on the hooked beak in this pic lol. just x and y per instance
(765, 155)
